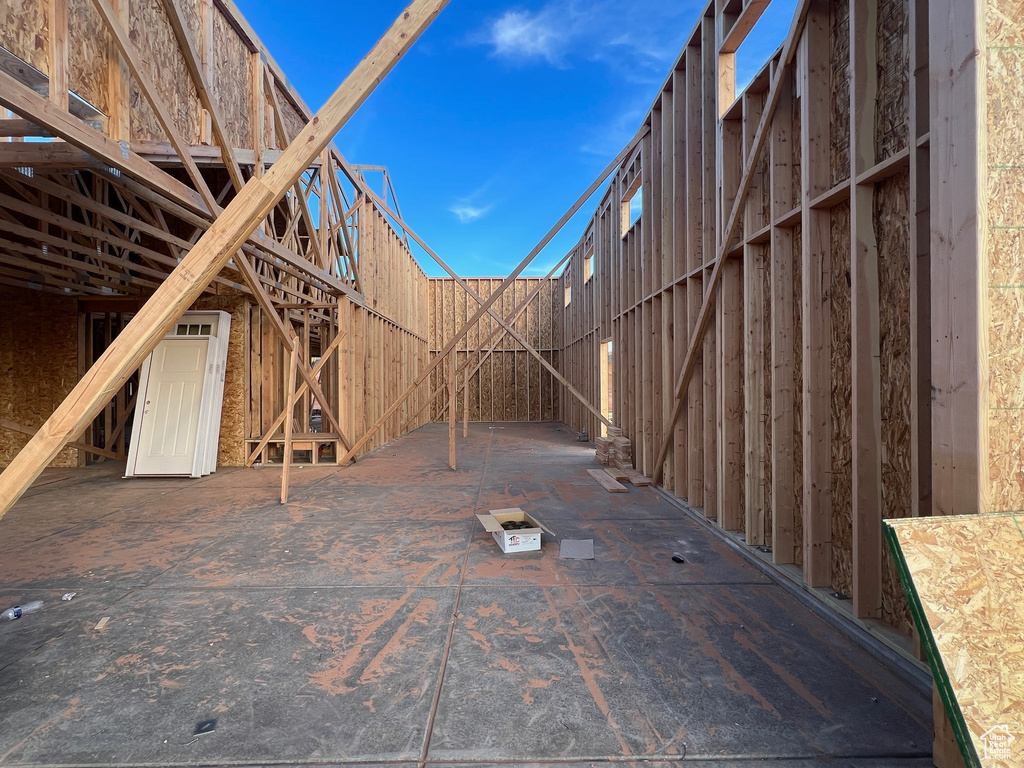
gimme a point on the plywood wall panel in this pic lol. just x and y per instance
(891, 129)
(89, 54)
(38, 364)
(150, 31)
(892, 228)
(232, 82)
(26, 33)
(842, 401)
(839, 103)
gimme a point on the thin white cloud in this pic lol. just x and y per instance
(597, 30)
(519, 34)
(466, 213)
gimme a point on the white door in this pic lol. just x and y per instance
(171, 407)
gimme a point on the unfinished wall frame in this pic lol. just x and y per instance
(843, 377)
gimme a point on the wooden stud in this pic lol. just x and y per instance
(58, 53)
(957, 243)
(864, 311)
(816, 310)
(289, 415)
(451, 409)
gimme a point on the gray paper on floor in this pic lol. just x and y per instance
(576, 549)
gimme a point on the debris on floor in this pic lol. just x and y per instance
(205, 726)
(606, 481)
(576, 549)
(637, 478)
(19, 610)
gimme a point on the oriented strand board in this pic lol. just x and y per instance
(1005, 294)
(231, 444)
(89, 49)
(892, 233)
(839, 104)
(26, 34)
(150, 31)
(293, 121)
(965, 580)
(38, 364)
(232, 81)
(842, 403)
(891, 130)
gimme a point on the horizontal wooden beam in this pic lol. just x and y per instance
(30, 105)
(750, 15)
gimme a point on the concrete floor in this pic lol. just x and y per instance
(373, 621)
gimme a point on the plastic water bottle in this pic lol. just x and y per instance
(17, 611)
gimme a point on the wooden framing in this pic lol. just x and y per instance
(211, 253)
(815, 320)
(837, 283)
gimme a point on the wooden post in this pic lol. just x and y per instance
(783, 498)
(465, 403)
(956, 70)
(289, 416)
(816, 304)
(58, 53)
(208, 257)
(451, 409)
(865, 344)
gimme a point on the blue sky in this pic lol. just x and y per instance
(502, 113)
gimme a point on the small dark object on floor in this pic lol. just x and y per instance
(677, 558)
(766, 550)
(205, 726)
(839, 596)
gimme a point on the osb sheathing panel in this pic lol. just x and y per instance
(968, 579)
(842, 415)
(840, 91)
(150, 31)
(26, 26)
(891, 127)
(892, 234)
(798, 411)
(38, 364)
(293, 121)
(1005, 293)
(766, 368)
(233, 81)
(89, 50)
(1002, 23)
(231, 445)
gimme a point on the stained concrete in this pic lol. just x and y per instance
(372, 621)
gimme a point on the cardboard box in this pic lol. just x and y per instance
(522, 540)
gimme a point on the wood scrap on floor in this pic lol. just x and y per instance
(616, 474)
(606, 482)
(637, 478)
